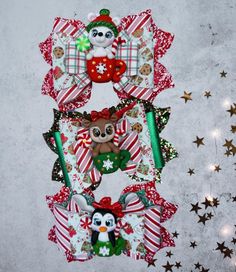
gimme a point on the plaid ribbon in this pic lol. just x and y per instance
(75, 61)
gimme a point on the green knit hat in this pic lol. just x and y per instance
(103, 20)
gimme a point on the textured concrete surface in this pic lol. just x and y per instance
(205, 42)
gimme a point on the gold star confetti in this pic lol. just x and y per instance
(199, 141)
(233, 150)
(223, 74)
(207, 94)
(228, 153)
(232, 110)
(228, 144)
(186, 96)
(233, 129)
(217, 168)
(191, 172)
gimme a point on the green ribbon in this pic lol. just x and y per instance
(155, 140)
(57, 138)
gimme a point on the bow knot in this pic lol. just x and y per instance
(105, 203)
(104, 114)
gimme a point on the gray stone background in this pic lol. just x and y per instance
(204, 45)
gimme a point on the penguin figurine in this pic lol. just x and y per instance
(103, 237)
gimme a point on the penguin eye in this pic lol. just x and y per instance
(94, 32)
(108, 35)
(97, 222)
(109, 130)
(96, 132)
(109, 222)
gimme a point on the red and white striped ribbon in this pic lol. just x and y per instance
(139, 22)
(95, 175)
(152, 230)
(132, 90)
(73, 206)
(119, 225)
(121, 129)
(62, 230)
(115, 44)
(134, 205)
(84, 157)
(69, 94)
(69, 27)
(132, 144)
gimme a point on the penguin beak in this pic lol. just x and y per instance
(102, 229)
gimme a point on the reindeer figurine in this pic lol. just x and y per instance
(107, 156)
(101, 127)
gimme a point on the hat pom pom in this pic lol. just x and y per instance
(104, 12)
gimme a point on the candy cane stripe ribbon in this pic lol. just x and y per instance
(134, 206)
(139, 22)
(121, 129)
(95, 175)
(62, 230)
(114, 46)
(132, 90)
(69, 94)
(152, 230)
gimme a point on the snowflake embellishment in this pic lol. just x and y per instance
(101, 68)
(104, 251)
(108, 164)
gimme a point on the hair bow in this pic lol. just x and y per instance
(105, 114)
(105, 203)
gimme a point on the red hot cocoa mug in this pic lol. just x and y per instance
(103, 69)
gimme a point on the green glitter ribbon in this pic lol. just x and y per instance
(155, 140)
(82, 43)
(57, 138)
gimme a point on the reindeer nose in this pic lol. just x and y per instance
(100, 34)
(103, 135)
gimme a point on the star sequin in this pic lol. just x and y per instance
(195, 207)
(199, 141)
(209, 215)
(207, 94)
(233, 150)
(193, 244)
(217, 168)
(223, 74)
(232, 110)
(191, 172)
(228, 143)
(216, 202)
(207, 203)
(168, 267)
(202, 219)
(178, 265)
(233, 198)
(186, 96)
(233, 129)
(233, 240)
(175, 234)
(221, 246)
(228, 252)
(169, 254)
(197, 265)
(152, 262)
